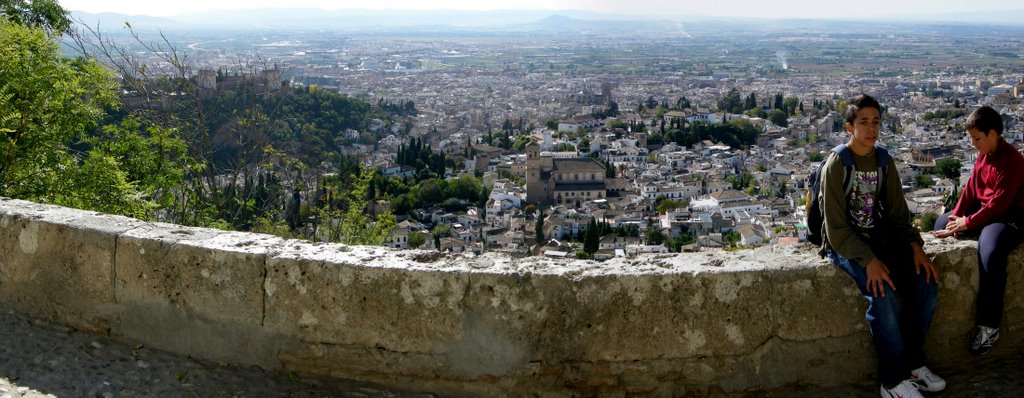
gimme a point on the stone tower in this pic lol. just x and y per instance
(536, 183)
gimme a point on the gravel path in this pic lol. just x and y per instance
(43, 360)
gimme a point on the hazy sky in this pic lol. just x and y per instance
(738, 8)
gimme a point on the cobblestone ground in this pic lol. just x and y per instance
(988, 378)
(42, 360)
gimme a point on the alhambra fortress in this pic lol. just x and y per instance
(691, 324)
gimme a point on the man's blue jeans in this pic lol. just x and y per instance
(899, 333)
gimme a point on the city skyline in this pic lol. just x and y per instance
(868, 9)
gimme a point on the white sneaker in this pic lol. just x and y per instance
(906, 389)
(926, 380)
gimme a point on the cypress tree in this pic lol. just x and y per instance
(539, 228)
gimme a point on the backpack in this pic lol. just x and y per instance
(815, 216)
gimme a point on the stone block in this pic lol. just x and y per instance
(674, 315)
(364, 297)
(58, 263)
(816, 302)
(196, 291)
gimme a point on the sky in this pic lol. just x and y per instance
(849, 9)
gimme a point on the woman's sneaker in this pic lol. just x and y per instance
(906, 389)
(926, 380)
(984, 336)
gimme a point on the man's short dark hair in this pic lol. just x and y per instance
(860, 102)
(985, 119)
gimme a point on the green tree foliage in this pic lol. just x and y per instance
(924, 181)
(742, 181)
(927, 221)
(353, 225)
(592, 238)
(538, 229)
(664, 205)
(651, 103)
(948, 168)
(735, 133)
(731, 238)
(790, 105)
(407, 108)
(153, 159)
(683, 103)
(755, 112)
(951, 198)
(778, 102)
(946, 114)
(440, 231)
(653, 234)
(750, 102)
(416, 239)
(676, 244)
(779, 118)
(731, 103)
(48, 106)
(45, 14)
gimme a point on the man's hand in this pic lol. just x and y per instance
(955, 224)
(878, 274)
(922, 262)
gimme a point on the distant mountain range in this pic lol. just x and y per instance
(564, 22)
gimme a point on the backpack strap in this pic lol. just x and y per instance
(846, 156)
(882, 156)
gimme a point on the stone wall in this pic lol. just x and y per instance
(684, 325)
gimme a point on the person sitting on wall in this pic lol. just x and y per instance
(990, 210)
(869, 236)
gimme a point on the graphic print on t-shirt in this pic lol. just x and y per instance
(862, 199)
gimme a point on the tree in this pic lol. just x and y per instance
(651, 103)
(731, 103)
(48, 104)
(663, 206)
(440, 231)
(354, 225)
(779, 118)
(790, 105)
(652, 233)
(682, 103)
(45, 14)
(948, 168)
(592, 238)
(416, 239)
(153, 159)
(613, 109)
(924, 181)
(539, 228)
(927, 221)
(755, 112)
(750, 102)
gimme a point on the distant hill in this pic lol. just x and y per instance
(108, 20)
(563, 22)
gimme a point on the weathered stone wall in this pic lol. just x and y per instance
(692, 324)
